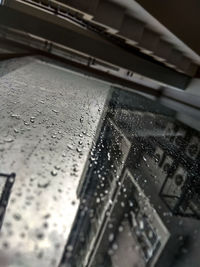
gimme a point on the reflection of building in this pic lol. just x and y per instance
(6, 183)
(140, 199)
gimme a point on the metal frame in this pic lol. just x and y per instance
(64, 32)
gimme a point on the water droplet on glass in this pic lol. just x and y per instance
(8, 140)
(121, 228)
(150, 234)
(32, 119)
(57, 167)
(11, 179)
(115, 246)
(40, 235)
(54, 173)
(79, 150)
(111, 237)
(55, 111)
(43, 184)
(17, 217)
(16, 131)
(70, 147)
(16, 116)
(98, 200)
(144, 158)
(26, 123)
(69, 248)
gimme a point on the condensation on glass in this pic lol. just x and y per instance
(93, 176)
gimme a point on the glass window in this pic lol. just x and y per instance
(93, 175)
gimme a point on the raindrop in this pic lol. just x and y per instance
(79, 150)
(110, 252)
(122, 204)
(69, 248)
(22, 235)
(16, 116)
(43, 184)
(16, 131)
(40, 255)
(121, 228)
(150, 234)
(55, 111)
(98, 200)
(47, 216)
(111, 237)
(75, 168)
(45, 225)
(17, 217)
(40, 235)
(32, 119)
(70, 147)
(26, 123)
(115, 246)
(141, 224)
(57, 167)
(54, 173)
(92, 158)
(11, 179)
(8, 140)
(5, 244)
(144, 158)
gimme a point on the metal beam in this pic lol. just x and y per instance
(5, 56)
(185, 98)
(75, 66)
(88, 43)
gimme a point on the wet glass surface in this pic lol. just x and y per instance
(91, 175)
